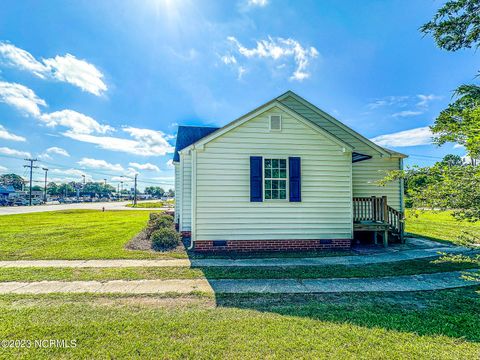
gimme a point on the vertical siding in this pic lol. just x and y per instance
(186, 192)
(224, 210)
(178, 195)
(365, 173)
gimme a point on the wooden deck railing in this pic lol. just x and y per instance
(376, 209)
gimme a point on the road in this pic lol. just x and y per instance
(10, 210)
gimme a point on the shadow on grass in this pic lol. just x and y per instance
(452, 313)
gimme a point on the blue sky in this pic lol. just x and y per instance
(98, 88)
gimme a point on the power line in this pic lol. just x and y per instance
(31, 171)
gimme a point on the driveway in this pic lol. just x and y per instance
(11, 210)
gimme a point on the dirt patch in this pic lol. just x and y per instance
(140, 242)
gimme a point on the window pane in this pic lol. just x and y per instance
(268, 173)
(274, 194)
(283, 163)
(283, 194)
(275, 173)
(282, 184)
(275, 163)
(268, 184)
(268, 194)
(275, 184)
(268, 163)
(283, 173)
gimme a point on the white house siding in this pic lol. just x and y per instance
(186, 212)
(178, 191)
(365, 173)
(224, 210)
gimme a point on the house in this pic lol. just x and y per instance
(285, 176)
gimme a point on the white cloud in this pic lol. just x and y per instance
(76, 122)
(100, 164)
(412, 137)
(145, 142)
(63, 68)
(3, 168)
(406, 113)
(58, 151)
(425, 99)
(388, 101)
(459, 146)
(279, 49)
(77, 72)
(19, 58)
(146, 166)
(260, 3)
(71, 175)
(13, 152)
(228, 59)
(5, 134)
(20, 97)
(170, 163)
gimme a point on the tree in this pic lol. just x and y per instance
(97, 189)
(451, 160)
(456, 26)
(442, 187)
(12, 179)
(37, 188)
(53, 189)
(66, 190)
(171, 193)
(154, 191)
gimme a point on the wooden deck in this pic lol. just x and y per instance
(373, 214)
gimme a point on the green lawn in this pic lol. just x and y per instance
(409, 267)
(75, 234)
(148, 205)
(440, 225)
(427, 325)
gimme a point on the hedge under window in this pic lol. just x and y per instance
(276, 177)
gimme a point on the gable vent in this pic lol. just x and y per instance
(275, 122)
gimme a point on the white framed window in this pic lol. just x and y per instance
(275, 123)
(275, 178)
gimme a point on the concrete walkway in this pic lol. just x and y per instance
(424, 282)
(383, 257)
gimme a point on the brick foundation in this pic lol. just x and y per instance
(271, 245)
(186, 234)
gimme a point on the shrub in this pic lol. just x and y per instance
(154, 216)
(165, 239)
(159, 222)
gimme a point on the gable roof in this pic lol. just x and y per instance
(343, 128)
(187, 135)
(261, 109)
(202, 135)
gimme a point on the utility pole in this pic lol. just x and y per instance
(83, 189)
(135, 191)
(31, 173)
(105, 182)
(121, 188)
(45, 188)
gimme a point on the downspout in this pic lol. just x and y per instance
(194, 199)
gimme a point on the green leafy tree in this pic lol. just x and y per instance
(456, 26)
(171, 193)
(66, 190)
(155, 191)
(451, 160)
(53, 189)
(12, 179)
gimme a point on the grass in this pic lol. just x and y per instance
(409, 267)
(74, 234)
(435, 325)
(148, 205)
(440, 225)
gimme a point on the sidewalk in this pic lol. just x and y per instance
(423, 282)
(392, 256)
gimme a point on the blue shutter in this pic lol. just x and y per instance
(256, 188)
(295, 184)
